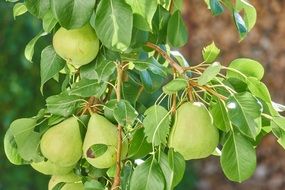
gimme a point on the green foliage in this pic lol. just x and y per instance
(132, 89)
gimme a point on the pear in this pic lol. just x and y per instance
(49, 168)
(102, 131)
(72, 182)
(193, 134)
(77, 46)
(62, 143)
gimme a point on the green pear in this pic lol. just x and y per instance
(102, 131)
(77, 46)
(62, 143)
(72, 182)
(193, 134)
(49, 168)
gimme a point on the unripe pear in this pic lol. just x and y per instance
(193, 134)
(73, 182)
(77, 46)
(62, 143)
(102, 131)
(49, 168)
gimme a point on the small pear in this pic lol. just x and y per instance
(77, 46)
(62, 143)
(72, 182)
(102, 131)
(49, 168)
(193, 134)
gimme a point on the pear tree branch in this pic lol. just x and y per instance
(117, 179)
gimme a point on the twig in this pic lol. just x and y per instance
(117, 179)
(172, 63)
(193, 83)
(171, 7)
(88, 105)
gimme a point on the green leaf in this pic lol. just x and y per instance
(159, 25)
(87, 88)
(72, 13)
(29, 50)
(258, 89)
(166, 170)
(126, 176)
(220, 115)
(114, 23)
(51, 64)
(243, 110)
(249, 13)
(240, 24)
(59, 186)
(278, 129)
(150, 81)
(97, 150)
(62, 104)
(19, 9)
(124, 113)
(139, 147)
(210, 53)
(143, 13)
(99, 70)
(49, 21)
(248, 67)
(93, 185)
(177, 34)
(175, 85)
(173, 167)
(210, 73)
(238, 158)
(11, 149)
(37, 7)
(148, 176)
(26, 138)
(177, 165)
(156, 125)
(152, 65)
(216, 7)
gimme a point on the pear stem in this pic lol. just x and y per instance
(117, 179)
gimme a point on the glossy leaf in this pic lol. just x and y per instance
(177, 34)
(240, 24)
(248, 67)
(29, 50)
(216, 7)
(210, 53)
(19, 9)
(87, 88)
(72, 13)
(243, 110)
(148, 176)
(62, 104)
(156, 124)
(177, 165)
(49, 21)
(238, 158)
(144, 12)
(250, 14)
(37, 7)
(258, 89)
(220, 115)
(114, 22)
(278, 128)
(51, 64)
(125, 113)
(175, 85)
(139, 147)
(210, 73)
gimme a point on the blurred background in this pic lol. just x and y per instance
(20, 95)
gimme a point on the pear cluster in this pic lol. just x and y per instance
(63, 147)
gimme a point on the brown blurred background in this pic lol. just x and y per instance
(266, 44)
